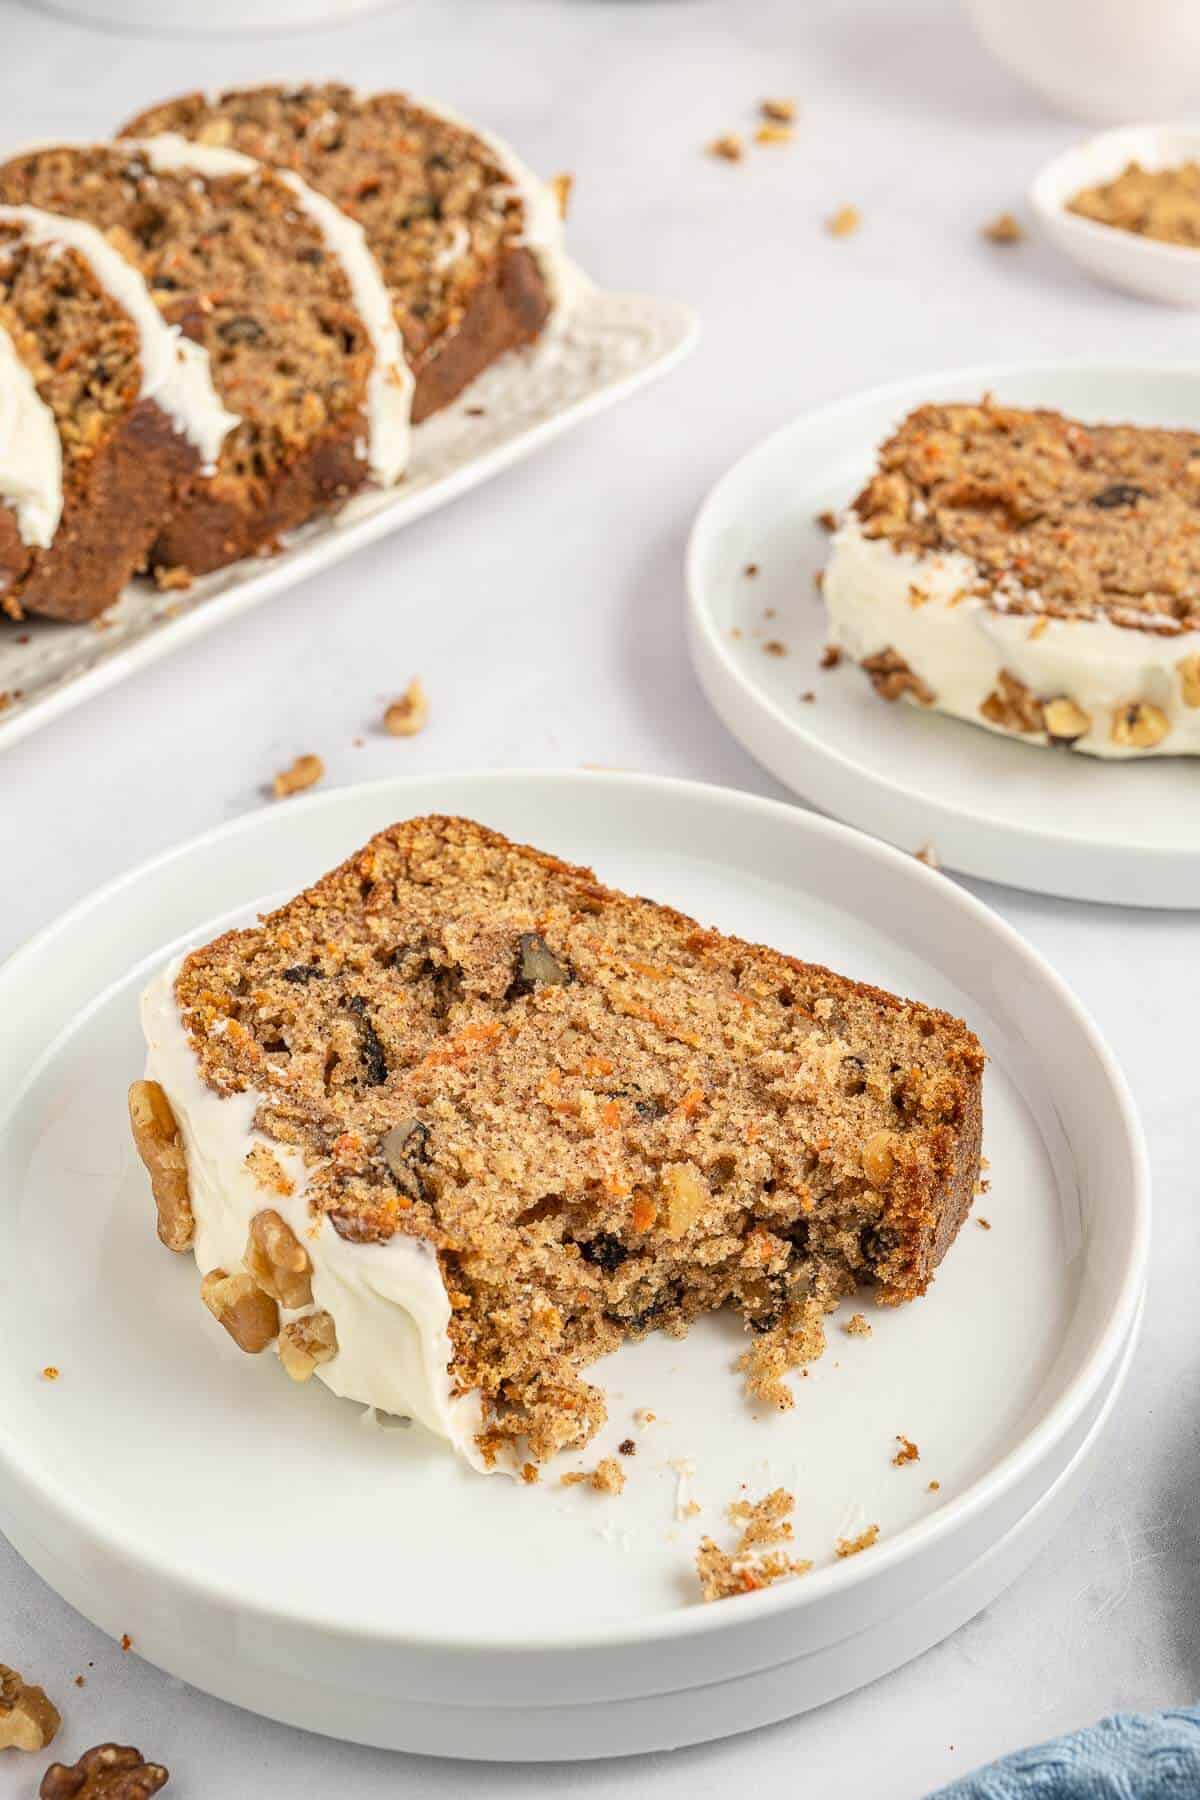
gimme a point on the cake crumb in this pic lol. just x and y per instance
(853, 1546)
(530, 1474)
(773, 647)
(933, 1487)
(608, 1477)
(857, 1326)
(561, 187)
(50, 1373)
(728, 147)
(929, 856)
(828, 519)
(819, 580)
(774, 134)
(173, 580)
(807, 696)
(844, 221)
(766, 1521)
(908, 1451)
(643, 1416)
(831, 656)
(410, 713)
(750, 571)
(1003, 229)
(984, 1224)
(305, 772)
(780, 112)
(476, 412)
(627, 1447)
(81, 1681)
(126, 1641)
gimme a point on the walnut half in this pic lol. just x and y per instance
(28, 1720)
(278, 1260)
(156, 1137)
(236, 1301)
(106, 1772)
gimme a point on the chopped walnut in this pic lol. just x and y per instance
(1011, 706)
(305, 772)
(845, 220)
(908, 1452)
(410, 713)
(560, 187)
(306, 1343)
(831, 656)
(1140, 725)
(879, 1157)
(774, 134)
(278, 1260)
(156, 1137)
(728, 147)
(1065, 722)
(686, 1197)
(891, 677)
(1189, 679)
(107, 1772)
(782, 112)
(237, 1302)
(28, 1720)
(852, 1546)
(1004, 229)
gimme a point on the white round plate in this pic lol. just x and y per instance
(988, 805)
(1140, 265)
(266, 1544)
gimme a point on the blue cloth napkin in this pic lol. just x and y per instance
(1132, 1756)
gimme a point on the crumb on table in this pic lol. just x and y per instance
(773, 647)
(50, 1373)
(831, 656)
(410, 713)
(750, 571)
(844, 221)
(984, 1224)
(857, 1326)
(908, 1451)
(305, 772)
(728, 147)
(1003, 229)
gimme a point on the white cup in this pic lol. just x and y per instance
(1110, 60)
(164, 17)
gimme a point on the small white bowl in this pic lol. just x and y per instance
(1169, 272)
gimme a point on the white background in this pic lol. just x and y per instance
(544, 614)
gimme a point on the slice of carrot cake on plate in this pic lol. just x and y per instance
(458, 1120)
(1032, 574)
(280, 290)
(467, 237)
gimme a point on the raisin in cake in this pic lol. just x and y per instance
(1032, 574)
(458, 1120)
(105, 411)
(467, 238)
(282, 293)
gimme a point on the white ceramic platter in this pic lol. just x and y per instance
(611, 345)
(1126, 833)
(264, 1543)
(1140, 265)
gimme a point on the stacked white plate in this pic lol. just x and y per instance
(270, 1545)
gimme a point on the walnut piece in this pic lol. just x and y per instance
(1004, 229)
(156, 1137)
(782, 112)
(278, 1260)
(28, 1720)
(1011, 706)
(560, 187)
(1065, 722)
(844, 221)
(687, 1197)
(410, 713)
(891, 677)
(306, 1343)
(879, 1157)
(236, 1301)
(106, 1772)
(305, 772)
(728, 147)
(1189, 679)
(1140, 725)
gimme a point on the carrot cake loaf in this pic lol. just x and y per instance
(279, 288)
(105, 411)
(468, 239)
(458, 1120)
(1032, 574)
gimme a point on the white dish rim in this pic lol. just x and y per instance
(708, 640)
(1099, 158)
(1005, 1474)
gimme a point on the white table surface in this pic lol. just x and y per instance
(544, 614)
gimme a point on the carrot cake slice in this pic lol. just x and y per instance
(458, 1120)
(1032, 574)
(280, 290)
(469, 240)
(105, 411)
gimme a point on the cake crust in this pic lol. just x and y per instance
(605, 1118)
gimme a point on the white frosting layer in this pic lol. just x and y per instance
(387, 1300)
(30, 452)
(922, 607)
(175, 372)
(390, 385)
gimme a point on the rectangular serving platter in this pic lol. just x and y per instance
(610, 345)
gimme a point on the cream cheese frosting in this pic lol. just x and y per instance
(928, 608)
(175, 372)
(30, 452)
(387, 1300)
(390, 384)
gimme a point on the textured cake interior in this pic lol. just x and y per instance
(1099, 520)
(438, 210)
(607, 1118)
(236, 264)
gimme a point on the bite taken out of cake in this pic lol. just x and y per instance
(1031, 574)
(458, 1120)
